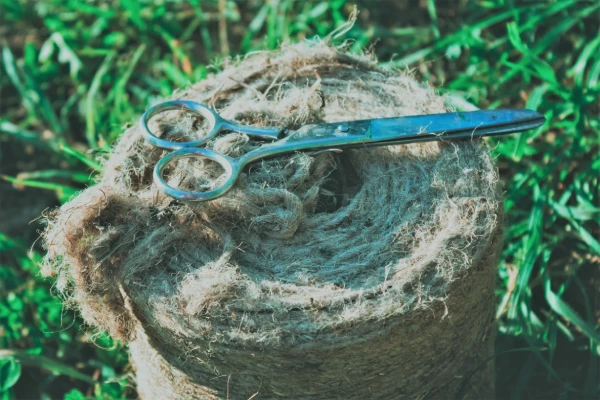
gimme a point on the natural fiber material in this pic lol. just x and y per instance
(365, 273)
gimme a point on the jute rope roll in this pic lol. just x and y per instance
(366, 273)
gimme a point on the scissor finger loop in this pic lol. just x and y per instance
(214, 120)
(231, 167)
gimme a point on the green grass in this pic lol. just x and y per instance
(74, 73)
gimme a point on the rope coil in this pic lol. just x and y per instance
(362, 274)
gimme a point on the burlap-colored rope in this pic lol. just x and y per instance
(366, 273)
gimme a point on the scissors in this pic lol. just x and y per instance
(338, 135)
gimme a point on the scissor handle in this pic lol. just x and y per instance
(216, 124)
(231, 166)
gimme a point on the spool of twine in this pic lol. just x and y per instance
(367, 273)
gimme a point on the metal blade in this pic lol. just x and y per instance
(381, 132)
(456, 125)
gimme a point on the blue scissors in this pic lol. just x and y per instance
(351, 134)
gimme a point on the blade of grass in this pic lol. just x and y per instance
(584, 212)
(63, 192)
(223, 36)
(65, 54)
(81, 157)
(272, 24)
(584, 234)
(8, 60)
(46, 363)
(564, 310)
(133, 11)
(121, 84)
(530, 251)
(255, 26)
(578, 69)
(37, 184)
(56, 174)
(434, 19)
(90, 117)
(594, 73)
(283, 22)
(24, 135)
(10, 372)
(71, 102)
(204, 33)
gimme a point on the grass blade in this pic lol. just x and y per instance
(90, 103)
(45, 363)
(56, 174)
(81, 157)
(564, 310)
(63, 192)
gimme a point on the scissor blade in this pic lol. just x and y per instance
(385, 131)
(455, 125)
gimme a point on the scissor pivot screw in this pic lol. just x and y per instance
(342, 128)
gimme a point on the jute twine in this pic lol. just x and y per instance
(366, 273)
